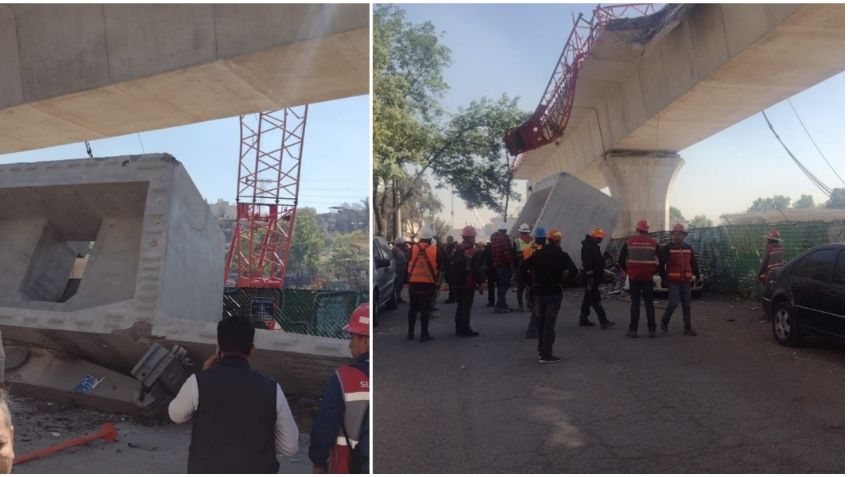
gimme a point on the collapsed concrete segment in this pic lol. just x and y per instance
(571, 206)
(154, 268)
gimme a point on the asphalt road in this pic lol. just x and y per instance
(728, 400)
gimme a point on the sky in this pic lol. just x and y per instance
(335, 166)
(512, 49)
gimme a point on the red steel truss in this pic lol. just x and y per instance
(266, 202)
(551, 116)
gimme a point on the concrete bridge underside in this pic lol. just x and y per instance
(639, 101)
(79, 72)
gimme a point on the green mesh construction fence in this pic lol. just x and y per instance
(308, 312)
(730, 255)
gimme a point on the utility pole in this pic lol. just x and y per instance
(508, 185)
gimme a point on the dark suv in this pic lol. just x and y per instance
(807, 295)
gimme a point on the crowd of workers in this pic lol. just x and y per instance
(540, 270)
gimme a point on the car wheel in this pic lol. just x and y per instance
(784, 325)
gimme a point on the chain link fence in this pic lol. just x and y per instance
(308, 312)
(730, 255)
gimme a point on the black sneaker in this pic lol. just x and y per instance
(607, 324)
(587, 323)
(664, 326)
(501, 310)
(689, 332)
(410, 337)
(490, 304)
(427, 338)
(467, 334)
(531, 336)
(632, 334)
(550, 359)
(652, 334)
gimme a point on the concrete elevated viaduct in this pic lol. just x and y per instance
(653, 86)
(77, 72)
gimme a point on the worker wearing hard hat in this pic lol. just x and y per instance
(640, 257)
(424, 271)
(593, 275)
(245, 420)
(465, 275)
(526, 276)
(520, 244)
(680, 265)
(773, 258)
(340, 432)
(551, 269)
(503, 262)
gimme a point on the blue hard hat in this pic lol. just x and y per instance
(540, 232)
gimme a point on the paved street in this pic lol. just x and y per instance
(729, 400)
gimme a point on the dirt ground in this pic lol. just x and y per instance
(139, 448)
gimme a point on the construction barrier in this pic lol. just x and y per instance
(308, 312)
(730, 255)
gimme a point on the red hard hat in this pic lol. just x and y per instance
(469, 231)
(773, 235)
(679, 228)
(643, 226)
(360, 321)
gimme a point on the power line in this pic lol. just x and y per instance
(814, 142)
(815, 180)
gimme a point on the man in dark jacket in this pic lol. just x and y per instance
(546, 268)
(593, 275)
(240, 419)
(466, 277)
(449, 248)
(342, 419)
(491, 277)
(504, 261)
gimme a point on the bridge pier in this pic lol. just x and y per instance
(641, 180)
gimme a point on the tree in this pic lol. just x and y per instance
(413, 136)
(307, 243)
(837, 199)
(777, 202)
(805, 202)
(347, 261)
(675, 215)
(700, 221)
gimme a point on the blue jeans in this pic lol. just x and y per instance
(679, 293)
(504, 274)
(547, 309)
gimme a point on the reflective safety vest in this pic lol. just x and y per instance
(679, 266)
(527, 251)
(642, 261)
(774, 251)
(423, 264)
(521, 245)
(355, 387)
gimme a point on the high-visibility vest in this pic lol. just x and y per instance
(642, 261)
(679, 266)
(521, 245)
(423, 264)
(530, 250)
(774, 252)
(355, 387)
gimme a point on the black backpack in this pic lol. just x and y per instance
(460, 265)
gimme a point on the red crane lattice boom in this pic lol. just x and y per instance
(549, 120)
(266, 201)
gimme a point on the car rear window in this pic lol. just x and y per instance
(819, 266)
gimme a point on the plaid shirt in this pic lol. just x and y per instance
(501, 249)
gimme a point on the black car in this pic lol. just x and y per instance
(807, 295)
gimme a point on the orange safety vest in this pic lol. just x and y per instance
(679, 266)
(529, 250)
(642, 261)
(355, 387)
(423, 264)
(774, 251)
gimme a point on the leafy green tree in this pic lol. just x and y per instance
(700, 221)
(837, 199)
(804, 202)
(347, 261)
(307, 244)
(414, 138)
(777, 202)
(675, 215)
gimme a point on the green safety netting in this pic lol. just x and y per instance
(309, 312)
(730, 255)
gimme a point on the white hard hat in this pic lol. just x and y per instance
(502, 226)
(524, 228)
(426, 233)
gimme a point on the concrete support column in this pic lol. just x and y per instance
(641, 180)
